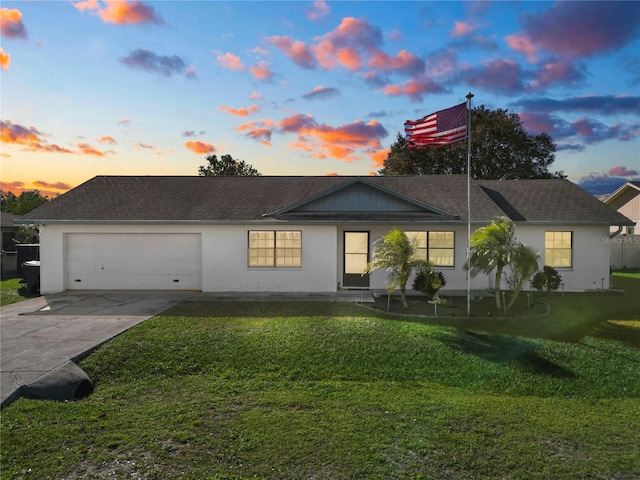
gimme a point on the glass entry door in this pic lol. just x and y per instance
(356, 256)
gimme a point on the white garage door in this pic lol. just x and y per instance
(97, 261)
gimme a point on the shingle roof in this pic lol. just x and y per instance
(244, 199)
(6, 219)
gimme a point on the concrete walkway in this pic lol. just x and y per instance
(41, 334)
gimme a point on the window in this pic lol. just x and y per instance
(441, 248)
(275, 248)
(437, 247)
(557, 249)
(420, 241)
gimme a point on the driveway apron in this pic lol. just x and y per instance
(41, 334)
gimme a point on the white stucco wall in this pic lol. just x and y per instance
(224, 256)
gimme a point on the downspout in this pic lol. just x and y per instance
(616, 233)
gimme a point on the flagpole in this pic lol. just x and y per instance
(469, 97)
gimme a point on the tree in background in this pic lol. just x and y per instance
(500, 149)
(226, 165)
(23, 203)
(494, 248)
(395, 253)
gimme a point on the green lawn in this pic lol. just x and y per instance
(336, 391)
(11, 291)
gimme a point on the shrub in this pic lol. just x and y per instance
(428, 281)
(548, 278)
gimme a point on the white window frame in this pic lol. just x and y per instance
(272, 249)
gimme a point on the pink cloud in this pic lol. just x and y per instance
(5, 60)
(55, 186)
(201, 148)
(231, 61)
(30, 137)
(107, 139)
(403, 61)
(296, 50)
(522, 44)
(120, 12)
(260, 131)
(461, 29)
(583, 29)
(240, 112)
(556, 73)
(262, 71)
(86, 149)
(414, 89)
(497, 75)
(621, 171)
(11, 25)
(337, 142)
(319, 10)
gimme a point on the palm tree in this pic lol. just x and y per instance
(492, 248)
(395, 253)
(495, 248)
(524, 263)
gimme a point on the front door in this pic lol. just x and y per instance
(356, 256)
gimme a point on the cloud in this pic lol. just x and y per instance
(583, 29)
(296, 50)
(588, 131)
(262, 71)
(5, 60)
(240, 112)
(120, 12)
(319, 10)
(142, 59)
(231, 61)
(15, 187)
(320, 92)
(30, 137)
(620, 171)
(497, 76)
(260, 131)
(608, 182)
(464, 29)
(556, 73)
(337, 142)
(86, 149)
(522, 44)
(11, 25)
(125, 121)
(601, 104)
(201, 148)
(414, 89)
(54, 186)
(144, 146)
(347, 45)
(404, 62)
(108, 140)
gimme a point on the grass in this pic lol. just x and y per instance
(221, 390)
(11, 291)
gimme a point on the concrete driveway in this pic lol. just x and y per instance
(41, 334)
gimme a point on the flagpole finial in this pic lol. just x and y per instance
(469, 96)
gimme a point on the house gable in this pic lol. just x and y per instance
(360, 198)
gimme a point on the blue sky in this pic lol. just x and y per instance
(305, 88)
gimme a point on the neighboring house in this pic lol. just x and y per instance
(625, 248)
(9, 231)
(302, 234)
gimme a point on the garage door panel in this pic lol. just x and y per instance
(134, 261)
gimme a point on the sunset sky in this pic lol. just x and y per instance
(102, 87)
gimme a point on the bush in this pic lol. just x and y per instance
(428, 281)
(548, 278)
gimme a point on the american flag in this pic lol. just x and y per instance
(440, 128)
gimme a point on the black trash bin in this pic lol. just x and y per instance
(31, 275)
